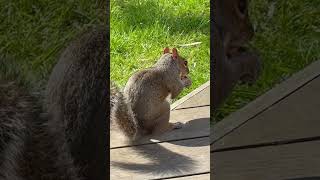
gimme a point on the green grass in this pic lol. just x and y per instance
(141, 29)
(288, 39)
(33, 32)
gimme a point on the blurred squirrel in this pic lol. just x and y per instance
(77, 101)
(28, 150)
(232, 29)
(143, 107)
(66, 138)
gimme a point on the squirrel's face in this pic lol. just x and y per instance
(182, 63)
(232, 16)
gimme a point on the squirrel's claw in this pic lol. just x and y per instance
(177, 125)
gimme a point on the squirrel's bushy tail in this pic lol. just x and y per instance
(122, 114)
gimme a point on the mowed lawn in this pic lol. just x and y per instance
(287, 38)
(34, 32)
(141, 29)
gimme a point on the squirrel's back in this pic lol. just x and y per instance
(77, 98)
(147, 84)
(152, 83)
(67, 139)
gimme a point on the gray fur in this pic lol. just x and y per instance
(143, 106)
(230, 33)
(67, 140)
(76, 98)
(27, 151)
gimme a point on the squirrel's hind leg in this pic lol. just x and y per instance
(163, 125)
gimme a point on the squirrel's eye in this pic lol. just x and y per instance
(185, 63)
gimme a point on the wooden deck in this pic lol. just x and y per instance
(181, 154)
(277, 136)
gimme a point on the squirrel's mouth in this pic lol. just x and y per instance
(183, 75)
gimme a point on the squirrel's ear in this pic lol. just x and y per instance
(166, 50)
(174, 53)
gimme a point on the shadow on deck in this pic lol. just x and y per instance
(179, 154)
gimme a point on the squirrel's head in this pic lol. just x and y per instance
(182, 63)
(232, 16)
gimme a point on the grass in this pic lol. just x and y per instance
(33, 32)
(141, 29)
(288, 39)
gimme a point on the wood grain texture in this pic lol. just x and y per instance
(183, 152)
(264, 102)
(198, 97)
(268, 163)
(196, 124)
(297, 116)
(184, 157)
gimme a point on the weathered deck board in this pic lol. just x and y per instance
(196, 125)
(196, 119)
(265, 163)
(295, 117)
(264, 102)
(275, 137)
(169, 159)
(197, 98)
(182, 153)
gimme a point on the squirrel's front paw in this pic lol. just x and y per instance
(186, 81)
(177, 125)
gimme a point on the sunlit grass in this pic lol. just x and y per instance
(141, 29)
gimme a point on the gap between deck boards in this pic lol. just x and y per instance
(267, 144)
(196, 125)
(168, 160)
(264, 102)
(273, 162)
(265, 109)
(159, 142)
(184, 176)
(190, 95)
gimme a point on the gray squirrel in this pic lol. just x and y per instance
(63, 137)
(77, 101)
(232, 63)
(142, 108)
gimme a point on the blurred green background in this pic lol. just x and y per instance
(34, 32)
